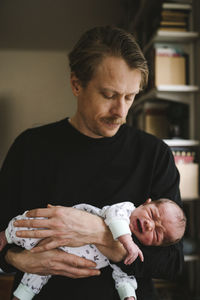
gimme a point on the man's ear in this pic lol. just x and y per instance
(75, 84)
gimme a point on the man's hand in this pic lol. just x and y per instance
(70, 226)
(53, 262)
(66, 226)
(133, 251)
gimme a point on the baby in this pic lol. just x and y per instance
(157, 223)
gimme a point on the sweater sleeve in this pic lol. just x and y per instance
(161, 262)
(10, 182)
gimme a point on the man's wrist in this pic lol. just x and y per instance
(5, 263)
(104, 241)
(102, 234)
(11, 255)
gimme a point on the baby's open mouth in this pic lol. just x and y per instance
(139, 225)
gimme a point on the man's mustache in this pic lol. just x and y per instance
(114, 120)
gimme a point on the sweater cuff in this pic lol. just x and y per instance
(126, 290)
(23, 292)
(118, 228)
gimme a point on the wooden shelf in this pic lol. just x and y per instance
(182, 6)
(172, 37)
(177, 93)
(6, 283)
(192, 257)
(190, 199)
(177, 88)
(181, 142)
(175, 36)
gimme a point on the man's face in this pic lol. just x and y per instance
(104, 103)
(151, 223)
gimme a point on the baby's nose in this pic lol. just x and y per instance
(149, 225)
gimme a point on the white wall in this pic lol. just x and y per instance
(35, 37)
(34, 90)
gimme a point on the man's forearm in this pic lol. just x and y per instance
(113, 251)
(11, 256)
(53, 262)
(100, 235)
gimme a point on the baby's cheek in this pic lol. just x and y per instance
(147, 239)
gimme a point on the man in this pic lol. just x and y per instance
(92, 157)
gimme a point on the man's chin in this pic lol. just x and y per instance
(110, 133)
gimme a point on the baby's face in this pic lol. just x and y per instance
(152, 224)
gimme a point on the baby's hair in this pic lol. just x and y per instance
(180, 218)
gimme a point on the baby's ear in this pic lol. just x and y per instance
(148, 201)
(49, 205)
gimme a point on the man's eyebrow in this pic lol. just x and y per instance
(117, 92)
(107, 90)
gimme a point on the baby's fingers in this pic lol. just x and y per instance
(130, 259)
(141, 256)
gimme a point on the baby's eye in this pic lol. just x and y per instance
(157, 237)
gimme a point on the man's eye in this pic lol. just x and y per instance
(129, 98)
(108, 96)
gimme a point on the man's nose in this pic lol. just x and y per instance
(119, 108)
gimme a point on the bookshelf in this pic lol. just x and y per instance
(184, 43)
(165, 96)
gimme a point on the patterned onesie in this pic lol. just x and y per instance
(115, 216)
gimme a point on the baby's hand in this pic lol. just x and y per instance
(132, 249)
(129, 298)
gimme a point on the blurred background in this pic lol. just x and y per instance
(35, 38)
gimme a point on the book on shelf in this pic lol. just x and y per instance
(175, 17)
(152, 118)
(170, 66)
(174, 29)
(171, 23)
(186, 159)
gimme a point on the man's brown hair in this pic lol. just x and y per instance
(100, 42)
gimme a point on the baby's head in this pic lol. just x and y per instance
(158, 223)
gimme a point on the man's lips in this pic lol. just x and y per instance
(113, 121)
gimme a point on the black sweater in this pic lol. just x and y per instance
(56, 164)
